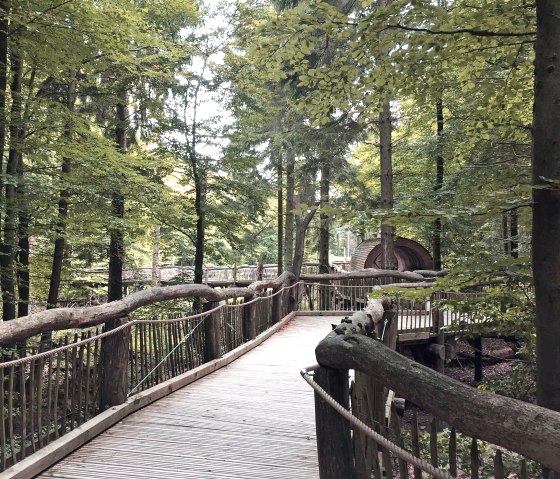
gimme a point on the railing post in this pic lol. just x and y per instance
(212, 332)
(114, 363)
(249, 320)
(334, 444)
(276, 305)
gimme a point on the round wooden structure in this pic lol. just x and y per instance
(410, 255)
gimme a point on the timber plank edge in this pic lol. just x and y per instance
(57, 450)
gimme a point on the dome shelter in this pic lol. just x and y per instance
(410, 255)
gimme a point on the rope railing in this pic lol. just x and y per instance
(367, 430)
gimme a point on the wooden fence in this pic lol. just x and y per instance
(441, 427)
(49, 389)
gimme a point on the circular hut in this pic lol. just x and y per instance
(410, 255)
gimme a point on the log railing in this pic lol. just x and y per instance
(457, 429)
(47, 394)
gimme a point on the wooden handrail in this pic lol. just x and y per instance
(521, 427)
(66, 318)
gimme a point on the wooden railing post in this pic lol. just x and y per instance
(212, 332)
(249, 320)
(334, 444)
(114, 373)
(276, 305)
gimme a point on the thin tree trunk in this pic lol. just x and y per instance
(280, 236)
(546, 198)
(114, 385)
(290, 193)
(7, 256)
(514, 234)
(385, 151)
(22, 271)
(156, 271)
(199, 206)
(324, 219)
(302, 221)
(437, 227)
(60, 241)
(506, 233)
(4, 24)
(116, 245)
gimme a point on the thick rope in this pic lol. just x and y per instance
(52, 352)
(378, 438)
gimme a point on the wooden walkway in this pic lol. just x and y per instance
(251, 419)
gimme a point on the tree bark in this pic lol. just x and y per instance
(24, 219)
(116, 246)
(5, 6)
(324, 219)
(546, 198)
(60, 241)
(10, 239)
(386, 157)
(114, 385)
(156, 271)
(302, 222)
(290, 193)
(280, 222)
(437, 227)
(515, 425)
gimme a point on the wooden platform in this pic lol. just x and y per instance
(251, 419)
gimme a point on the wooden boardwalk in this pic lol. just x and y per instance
(251, 419)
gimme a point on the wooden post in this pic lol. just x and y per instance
(334, 444)
(212, 332)
(249, 320)
(114, 376)
(276, 306)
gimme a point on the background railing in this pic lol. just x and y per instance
(49, 388)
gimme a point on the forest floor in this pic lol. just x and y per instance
(497, 362)
(498, 366)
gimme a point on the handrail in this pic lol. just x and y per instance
(65, 318)
(363, 427)
(525, 428)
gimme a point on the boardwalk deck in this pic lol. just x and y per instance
(251, 419)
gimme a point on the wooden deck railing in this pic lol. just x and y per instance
(46, 394)
(457, 429)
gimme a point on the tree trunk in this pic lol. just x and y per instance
(114, 385)
(4, 25)
(385, 151)
(9, 241)
(199, 205)
(116, 246)
(437, 227)
(156, 271)
(290, 193)
(324, 219)
(24, 219)
(280, 222)
(60, 241)
(514, 234)
(546, 202)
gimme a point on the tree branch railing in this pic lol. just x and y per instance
(456, 428)
(49, 393)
